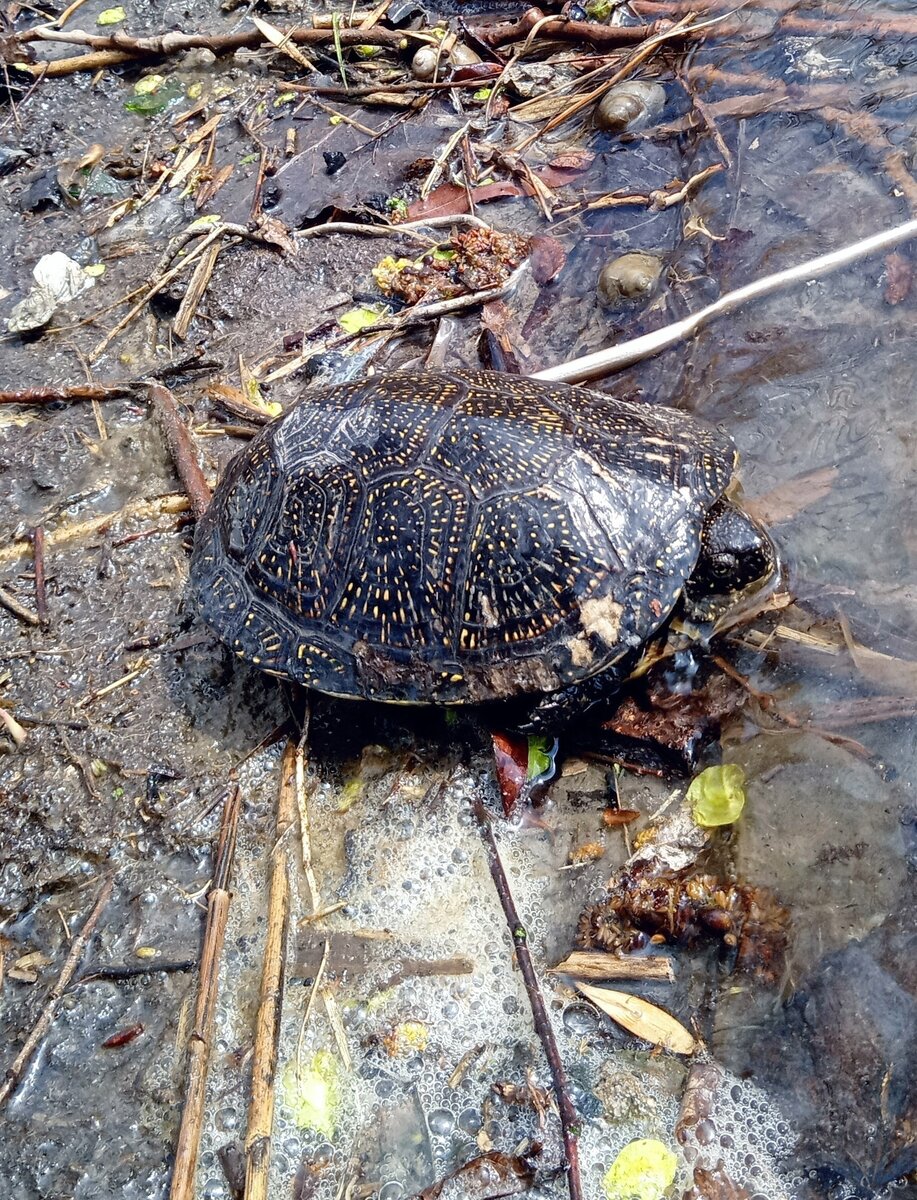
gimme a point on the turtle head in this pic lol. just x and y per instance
(737, 558)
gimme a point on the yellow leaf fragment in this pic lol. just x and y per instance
(641, 1018)
(313, 1092)
(644, 1170)
(355, 320)
(148, 85)
(408, 1037)
(111, 16)
(717, 795)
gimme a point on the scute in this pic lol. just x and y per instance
(455, 537)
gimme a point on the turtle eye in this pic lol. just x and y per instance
(723, 565)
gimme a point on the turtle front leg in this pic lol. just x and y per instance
(559, 711)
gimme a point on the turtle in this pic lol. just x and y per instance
(459, 537)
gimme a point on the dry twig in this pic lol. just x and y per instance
(267, 1030)
(615, 358)
(200, 1041)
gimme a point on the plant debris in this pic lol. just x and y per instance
(686, 909)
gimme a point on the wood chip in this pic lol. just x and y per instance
(599, 964)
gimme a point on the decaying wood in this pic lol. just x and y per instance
(615, 358)
(77, 949)
(598, 964)
(267, 1029)
(51, 395)
(195, 292)
(137, 510)
(201, 1038)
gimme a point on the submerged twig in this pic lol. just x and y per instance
(267, 1032)
(615, 358)
(41, 591)
(49, 1009)
(142, 510)
(200, 1041)
(568, 1118)
(11, 604)
(180, 448)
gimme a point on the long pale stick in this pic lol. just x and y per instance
(614, 358)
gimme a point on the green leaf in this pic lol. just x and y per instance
(367, 51)
(111, 16)
(397, 207)
(355, 320)
(542, 751)
(153, 95)
(644, 1170)
(717, 795)
(284, 98)
(482, 93)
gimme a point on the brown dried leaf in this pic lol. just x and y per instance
(791, 497)
(547, 257)
(487, 1177)
(511, 758)
(573, 160)
(449, 200)
(898, 278)
(641, 1018)
(715, 1184)
(613, 817)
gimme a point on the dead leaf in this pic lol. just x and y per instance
(281, 41)
(898, 278)
(573, 160)
(511, 759)
(209, 187)
(613, 817)
(276, 233)
(449, 200)
(641, 1018)
(547, 257)
(789, 498)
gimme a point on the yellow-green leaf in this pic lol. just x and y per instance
(111, 16)
(717, 795)
(313, 1093)
(355, 320)
(644, 1170)
(94, 270)
(148, 85)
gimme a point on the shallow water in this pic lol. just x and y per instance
(815, 1094)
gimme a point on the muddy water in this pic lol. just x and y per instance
(814, 1092)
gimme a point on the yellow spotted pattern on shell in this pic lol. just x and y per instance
(455, 537)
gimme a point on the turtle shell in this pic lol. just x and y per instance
(454, 537)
